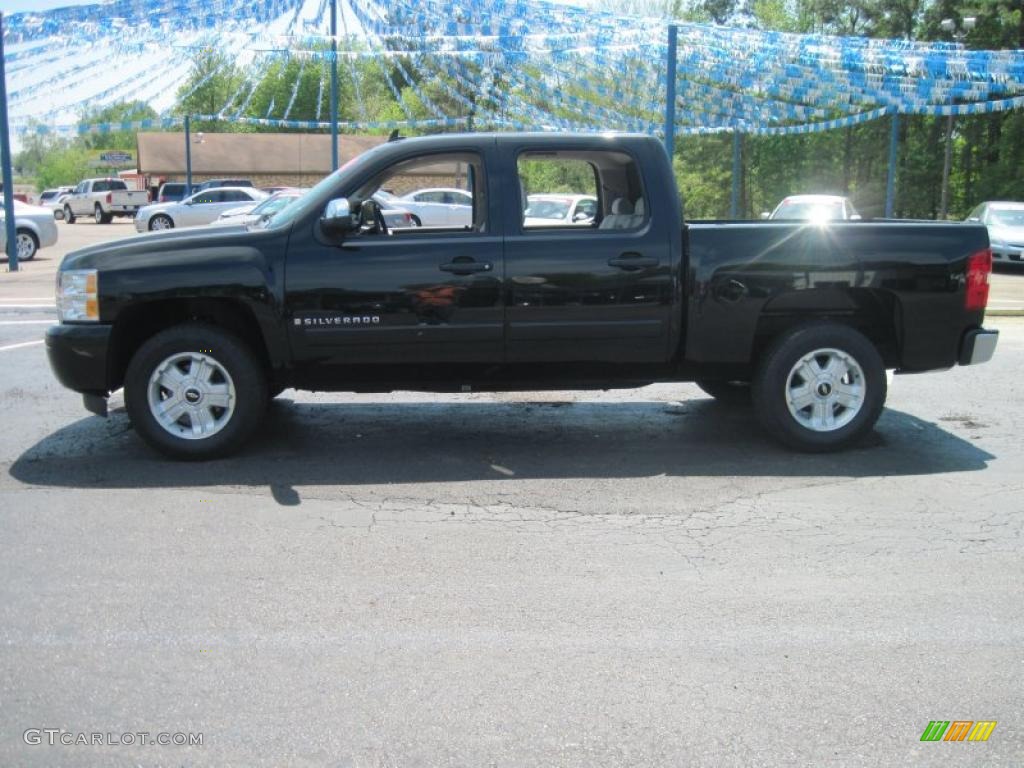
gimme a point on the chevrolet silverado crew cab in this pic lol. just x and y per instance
(103, 199)
(202, 327)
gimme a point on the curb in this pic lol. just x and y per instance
(1004, 313)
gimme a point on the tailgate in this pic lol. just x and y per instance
(130, 199)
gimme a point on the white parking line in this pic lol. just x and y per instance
(26, 322)
(19, 346)
(28, 306)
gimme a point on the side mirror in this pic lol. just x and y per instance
(581, 216)
(765, 215)
(974, 218)
(855, 217)
(338, 218)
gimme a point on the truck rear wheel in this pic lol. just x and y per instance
(820, 388)
(100, 217)
(195, 392)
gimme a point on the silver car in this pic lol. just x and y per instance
(35, 228)
(198, 209)
(1005, 222)
(253, 213)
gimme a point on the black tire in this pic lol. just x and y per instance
(416, 220)
(100, 217)
(777, 374)
(161, 217)
(69, 215)
(227, 351)
(726, 392)
(35, 243)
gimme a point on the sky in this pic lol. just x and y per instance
(15, 6)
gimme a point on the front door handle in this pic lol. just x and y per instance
(632, 261)
(465, 265)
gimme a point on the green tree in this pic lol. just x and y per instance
(122, 111)
(63, 167)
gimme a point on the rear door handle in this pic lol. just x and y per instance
(464, 265)
(631, 261)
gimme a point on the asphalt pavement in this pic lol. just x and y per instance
(633, 578)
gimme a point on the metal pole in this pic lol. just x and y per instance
(670, 93)
(188, 156)
(734, 202)
(890, 182)
(334, 84)
(8, 177)
(947, 161)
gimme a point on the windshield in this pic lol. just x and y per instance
(1010, 217)
(274, 204)
(547, 209)
(816, 211)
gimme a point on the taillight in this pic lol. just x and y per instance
(110, 197)
(979, 267)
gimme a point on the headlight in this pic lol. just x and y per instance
(78, 296)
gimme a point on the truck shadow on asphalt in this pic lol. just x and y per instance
(309, 444)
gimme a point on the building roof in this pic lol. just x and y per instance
(232, 154)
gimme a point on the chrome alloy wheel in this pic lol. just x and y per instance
(26, 246)
(191, 395)
(159, 223)
(825, 390)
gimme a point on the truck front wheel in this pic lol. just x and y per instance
(195, 392)
(820, 388)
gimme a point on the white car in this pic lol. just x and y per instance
(195, 210)
(560, 210)
(35, 227)
(431, 214)
(253, 213)
(57, 204)
(48, 197)
(445, 195)
(814, 208)
(1005, 222)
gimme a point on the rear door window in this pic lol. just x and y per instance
(552, 183)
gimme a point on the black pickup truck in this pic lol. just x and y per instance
(571, 268)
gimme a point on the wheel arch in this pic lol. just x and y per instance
(31, 228)
(874, 313)
(141, 321)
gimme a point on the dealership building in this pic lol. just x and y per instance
(268, 159)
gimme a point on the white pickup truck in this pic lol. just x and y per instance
(103, 199)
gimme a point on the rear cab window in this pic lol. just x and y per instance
(108, 185)
(580, 190)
